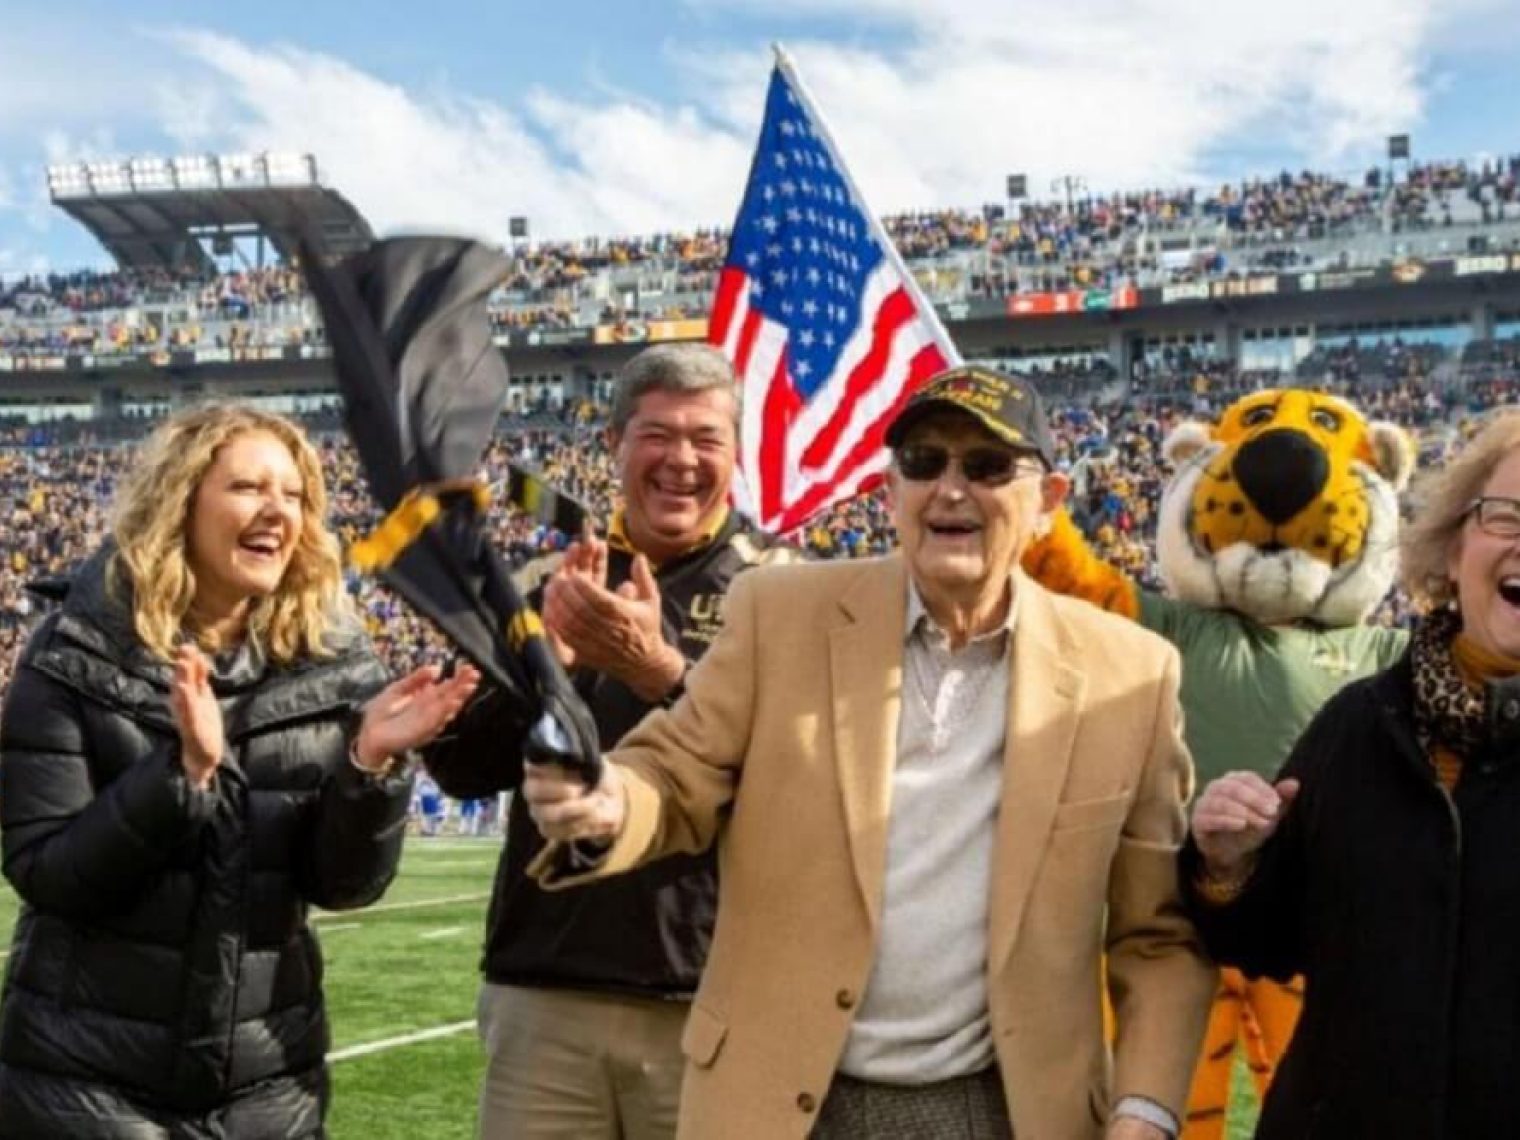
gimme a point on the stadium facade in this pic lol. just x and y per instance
(1259, 322)
(1266, 299)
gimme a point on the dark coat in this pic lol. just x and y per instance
(163, 980)
(647, 933)
(1401, 907)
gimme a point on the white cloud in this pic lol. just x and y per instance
(932, 104)
(413, 160)
(1122, 92)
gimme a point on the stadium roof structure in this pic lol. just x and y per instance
(156, 213)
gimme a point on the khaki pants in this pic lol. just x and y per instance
(572, 1065)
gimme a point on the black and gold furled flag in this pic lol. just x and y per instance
(423, 386)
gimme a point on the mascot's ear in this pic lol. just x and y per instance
(1185, 441)
(1392, 452)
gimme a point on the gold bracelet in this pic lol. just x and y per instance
(379, 773)
(1218, 891)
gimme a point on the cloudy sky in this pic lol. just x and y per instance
(623, 118)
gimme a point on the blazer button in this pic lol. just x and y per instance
(807, 1102)
(845, 999)
(1511, 709)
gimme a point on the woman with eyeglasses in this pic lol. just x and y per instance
(1384, 862)
(197, 748)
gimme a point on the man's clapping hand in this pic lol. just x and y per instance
(618, 632)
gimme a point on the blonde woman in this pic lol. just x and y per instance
(198, 747)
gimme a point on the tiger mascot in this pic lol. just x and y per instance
(1276, 540)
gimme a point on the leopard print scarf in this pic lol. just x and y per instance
(1447, 710)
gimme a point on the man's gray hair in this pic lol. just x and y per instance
(690, 367)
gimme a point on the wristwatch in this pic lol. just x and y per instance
(678, 690)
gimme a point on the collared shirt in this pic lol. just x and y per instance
(924, 1017)
(617, 534)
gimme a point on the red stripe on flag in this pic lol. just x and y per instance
(731, 283)
(896, 310)
(925, 363)
(777, 413)
(748, 334)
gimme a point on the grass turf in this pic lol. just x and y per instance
(410, 965)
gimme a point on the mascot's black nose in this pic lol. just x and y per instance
(1281, 471)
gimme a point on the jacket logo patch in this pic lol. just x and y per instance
(704, 618)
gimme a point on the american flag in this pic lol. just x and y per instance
(827, 329)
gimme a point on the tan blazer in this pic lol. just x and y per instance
(783, 750)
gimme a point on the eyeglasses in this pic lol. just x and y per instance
(1496, 516)
(989, 466)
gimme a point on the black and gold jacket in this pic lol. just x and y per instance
(645, 933)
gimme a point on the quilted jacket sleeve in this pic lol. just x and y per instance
(69, 847)
(354, 846)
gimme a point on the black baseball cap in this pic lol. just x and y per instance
(1007, 406)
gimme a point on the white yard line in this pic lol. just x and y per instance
(398, 1042)
(442, 932)
(330, 927)
(415, 904)
(460, 864)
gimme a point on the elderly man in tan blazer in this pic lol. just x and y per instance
(941, 796)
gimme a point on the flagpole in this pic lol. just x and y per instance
(788, 68)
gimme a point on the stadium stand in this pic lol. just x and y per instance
(1301, 221)
(1195, 247)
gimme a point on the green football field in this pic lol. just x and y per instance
(401, 985)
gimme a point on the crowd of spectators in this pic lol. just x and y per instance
(1082, 241)
(55, 485)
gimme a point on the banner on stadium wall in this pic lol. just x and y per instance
(650, 331)
(1488, 263)
(1072, 301)
(972, 309)
(1331, 280)
(1404, 272)
(1244, 287)
(1184, 291)
(621, 332)
(93, 363)
(687, 328)
(547, 338)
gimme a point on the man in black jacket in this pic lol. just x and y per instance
(586, 992)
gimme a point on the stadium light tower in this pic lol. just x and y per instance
(181, 212)
(1073, 184)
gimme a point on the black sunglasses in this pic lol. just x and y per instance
(989, 466)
